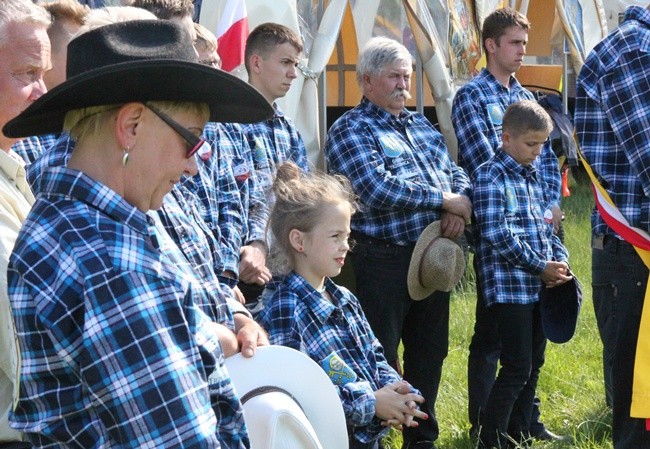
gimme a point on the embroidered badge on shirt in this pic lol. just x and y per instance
(511, 199)
(392, 147)
(259, 153)
(495, 113)
(337, 370)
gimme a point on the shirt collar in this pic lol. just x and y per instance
(638, 13)
(371, 108)
(315, 301)
(63, 181)
(513, 166)
(11, 164)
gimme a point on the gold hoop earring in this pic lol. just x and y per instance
(125, 158)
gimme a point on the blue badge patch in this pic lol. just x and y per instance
(337, 370)
(495, 113)
(511, 199)
(392, 147)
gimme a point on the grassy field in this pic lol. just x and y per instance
(570, 386)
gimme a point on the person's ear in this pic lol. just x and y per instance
(297, 240)
(254, 62)
(366, 80)
(127, 124)
(506, 139)
(490, 45)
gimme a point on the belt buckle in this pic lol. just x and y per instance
(598, 242)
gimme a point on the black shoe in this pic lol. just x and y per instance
(547, 435)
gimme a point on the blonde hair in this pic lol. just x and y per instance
(113, 14)
(300, 199)
(89, 121)
(205, 39)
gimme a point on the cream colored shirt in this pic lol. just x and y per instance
(16, 200)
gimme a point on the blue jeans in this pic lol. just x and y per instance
(510, 403)
(619, 280)
(380, 270)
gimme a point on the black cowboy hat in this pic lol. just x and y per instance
(140, 60)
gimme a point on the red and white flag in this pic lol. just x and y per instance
(232, 32)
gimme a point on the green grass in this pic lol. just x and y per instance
(570, 385)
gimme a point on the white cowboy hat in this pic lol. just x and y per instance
(289, 402)
(437, 264)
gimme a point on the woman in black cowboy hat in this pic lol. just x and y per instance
(115, 351)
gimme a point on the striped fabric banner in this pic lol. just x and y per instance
(640, 239)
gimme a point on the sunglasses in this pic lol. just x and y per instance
(195, 145)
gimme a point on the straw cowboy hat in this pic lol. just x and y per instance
(140, 60)
(437, 264)
(559, 308)
(289, 401)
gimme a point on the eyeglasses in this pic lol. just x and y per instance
(212, 62)
(195, 145)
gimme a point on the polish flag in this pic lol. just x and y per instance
(232, 32)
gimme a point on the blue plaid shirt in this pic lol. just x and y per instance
(398, 167)
(233, 149)
(273, 142)
(115, 351)
(215, 186)
(477, 114)
(301, 318)
(182, 217)
(515, 241)
(29, 149)
(55, 155)
(611, 117)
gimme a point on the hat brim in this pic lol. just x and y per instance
(296, 373)
(229, 98)
(416, 290)
(559, 308)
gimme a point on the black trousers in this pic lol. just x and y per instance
(381, 271)
(510, 403)
(484, 352)
(619, 279)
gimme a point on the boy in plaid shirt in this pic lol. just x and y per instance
(517, 254)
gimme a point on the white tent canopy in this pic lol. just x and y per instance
(584, 23)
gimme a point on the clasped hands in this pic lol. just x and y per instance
(397, 406)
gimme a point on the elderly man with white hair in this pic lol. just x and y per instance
(24, 58)
(405, 180)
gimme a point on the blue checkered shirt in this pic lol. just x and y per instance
(29, 149)
(515, 241)
(301, 318)
(215, 186)
(181, 219)
(233, 149)
(399, 168)
(611, 118)
(55, 155)
(477, 113)
(273, 142)
(115, 351)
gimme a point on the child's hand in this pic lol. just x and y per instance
(396, 406)
(555, 273)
